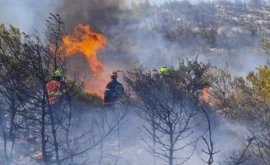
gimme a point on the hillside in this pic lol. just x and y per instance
(209, 105)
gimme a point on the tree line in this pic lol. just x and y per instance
(174, 108)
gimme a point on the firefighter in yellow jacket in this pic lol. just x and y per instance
(164, 71)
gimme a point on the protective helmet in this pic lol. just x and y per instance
(164, 71)
(57, 73)
(114, 74)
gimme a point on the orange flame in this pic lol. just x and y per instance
(38, 155)
(85, 40)
(206, 94)
(206, 97)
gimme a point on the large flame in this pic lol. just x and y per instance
(84, 40)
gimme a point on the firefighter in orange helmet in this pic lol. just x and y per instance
(113, 90)
(56, 89)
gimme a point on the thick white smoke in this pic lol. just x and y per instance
(29, 14)
(26, 14)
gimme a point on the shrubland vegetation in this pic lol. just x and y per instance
(178, 111)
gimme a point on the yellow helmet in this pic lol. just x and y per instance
(164, 71)
(57, 73)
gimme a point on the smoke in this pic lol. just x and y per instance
(26, 14)
(153, 50)
(150, 48)
(29, 14)
(124, 49)
(109, 17)
(227, 137)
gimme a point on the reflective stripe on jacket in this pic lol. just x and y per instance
(55, 90)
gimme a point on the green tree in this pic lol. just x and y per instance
(247, 100)
(170, 105)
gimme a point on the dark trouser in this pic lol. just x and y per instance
(56, 112)
(110, 102)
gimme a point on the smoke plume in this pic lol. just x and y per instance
(26, 14)
(151, 48)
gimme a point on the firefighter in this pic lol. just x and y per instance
(113, 90)
(164, 72)
(56, 90)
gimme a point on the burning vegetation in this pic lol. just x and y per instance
(206, 94)
(170, 106)
(208, 97)
(84, 40)
(38, 155)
